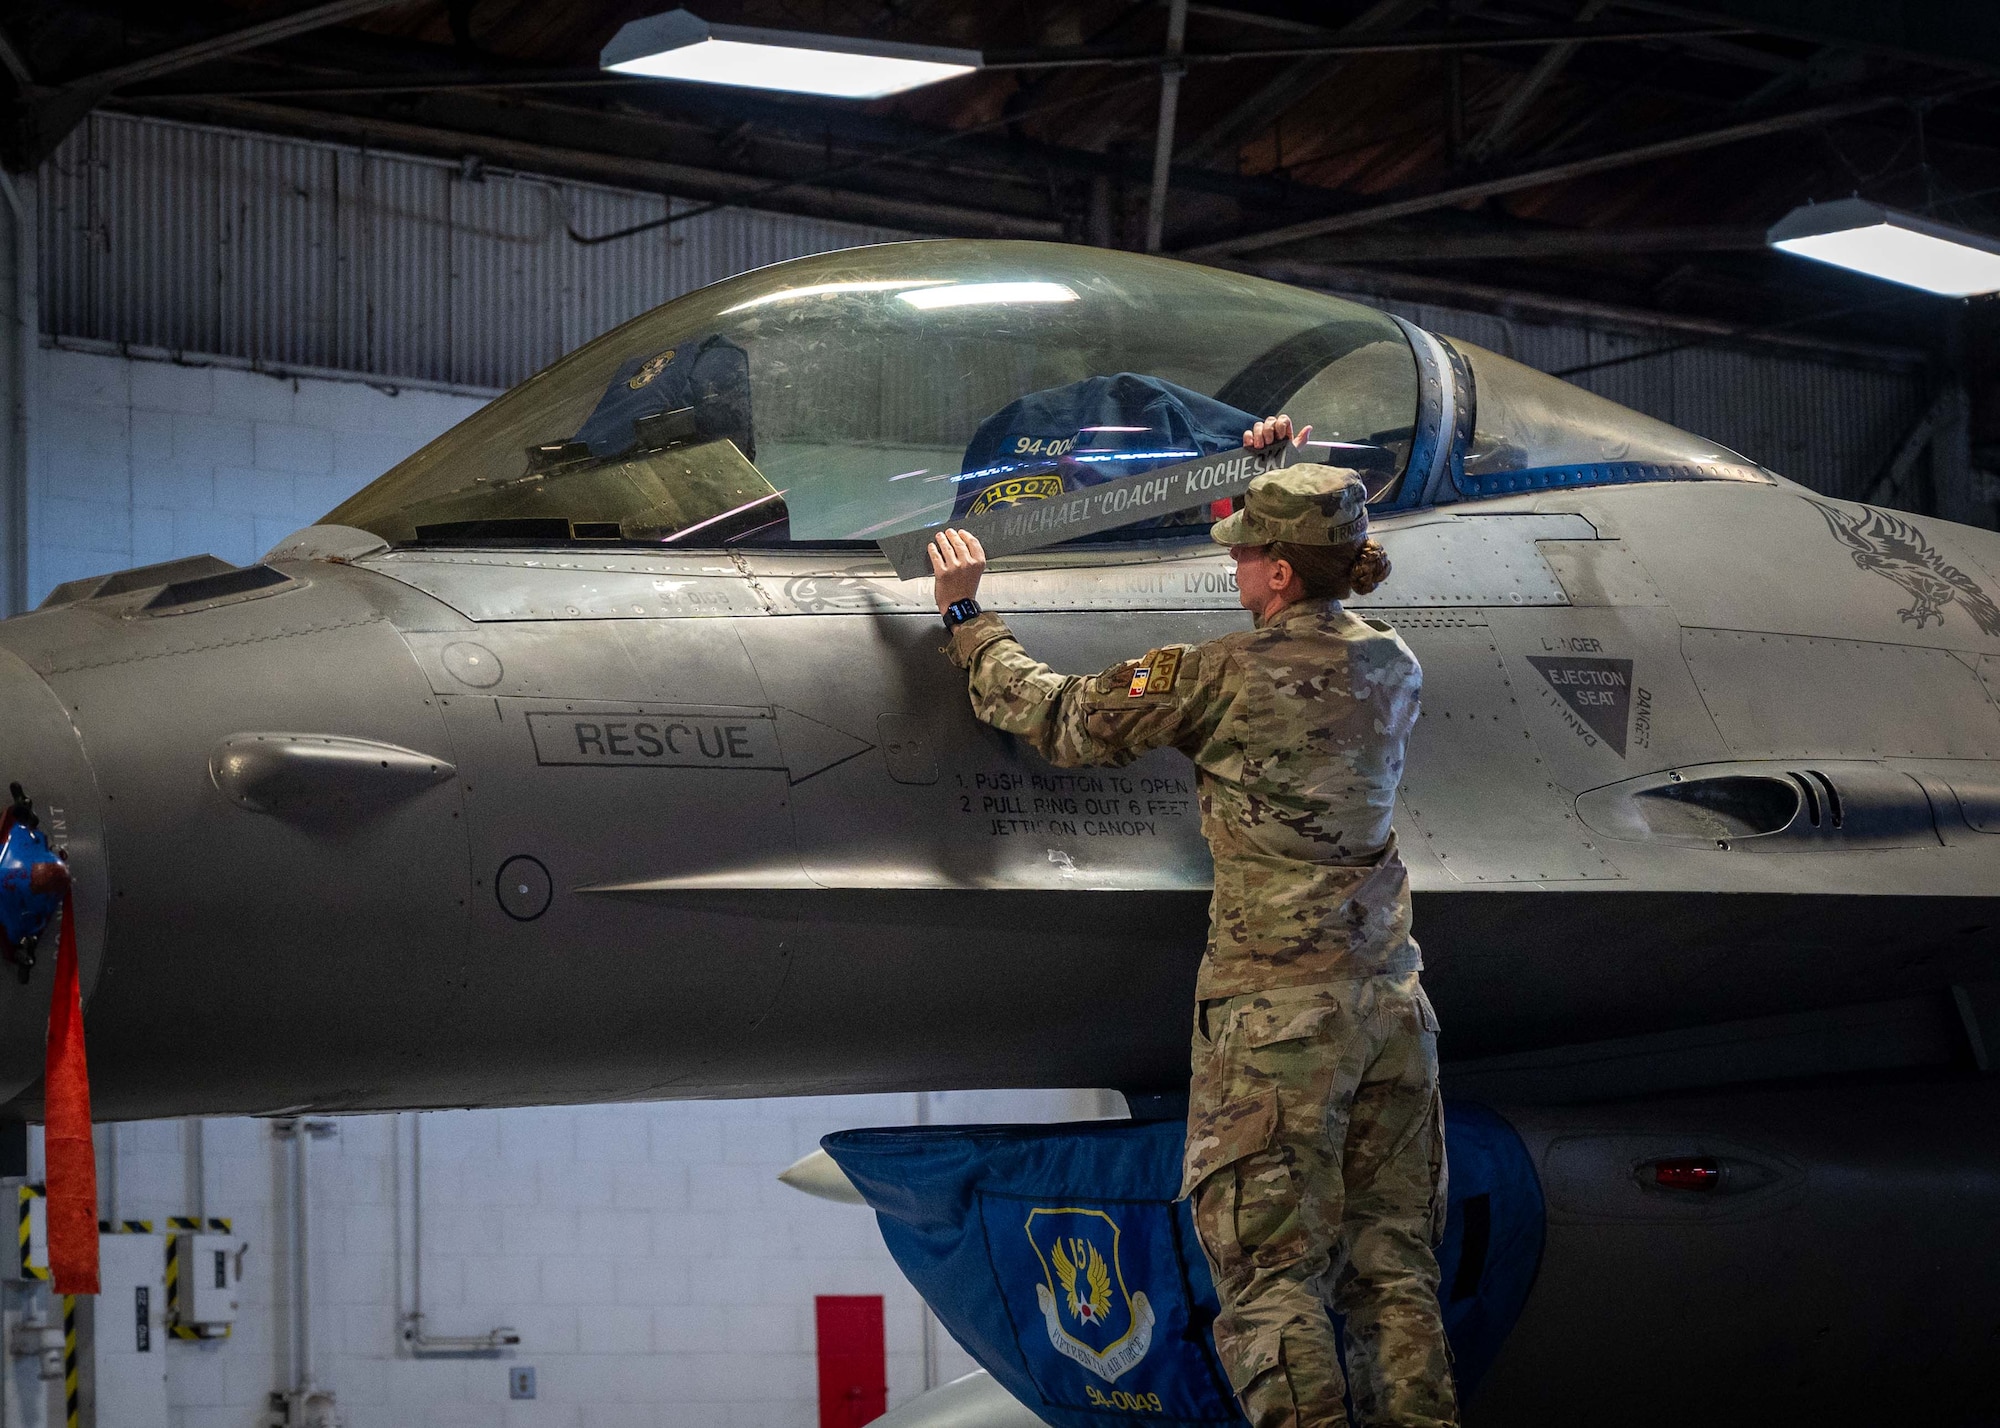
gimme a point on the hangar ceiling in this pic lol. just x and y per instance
(1616, 151)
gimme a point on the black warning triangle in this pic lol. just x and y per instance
(1599, 690)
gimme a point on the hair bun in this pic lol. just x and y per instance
(1371, 567)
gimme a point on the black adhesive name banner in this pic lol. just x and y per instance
(1031, 525)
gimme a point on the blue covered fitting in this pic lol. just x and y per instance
(1059, 1258)
(27, 901)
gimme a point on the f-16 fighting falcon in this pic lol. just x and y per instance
(597, 752)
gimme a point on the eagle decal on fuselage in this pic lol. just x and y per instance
(1896, 550)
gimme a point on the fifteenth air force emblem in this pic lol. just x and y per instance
(1091, 1317)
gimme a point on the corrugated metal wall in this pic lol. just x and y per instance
(281, 251)
(276, 250)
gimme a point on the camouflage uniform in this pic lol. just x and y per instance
(1315, 1147)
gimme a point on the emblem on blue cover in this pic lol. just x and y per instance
(1014, 490)
(1091, 1317)
(651, 368)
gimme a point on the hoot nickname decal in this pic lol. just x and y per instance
(1896, 550)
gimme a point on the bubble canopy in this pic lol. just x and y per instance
(838, 398)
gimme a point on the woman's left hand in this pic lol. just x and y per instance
(1270, 430)
(957, 562)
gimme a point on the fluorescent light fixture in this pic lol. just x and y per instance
(1898, 247)
(986, 294)
(678, 45)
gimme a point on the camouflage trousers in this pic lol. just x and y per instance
(1316, 1160)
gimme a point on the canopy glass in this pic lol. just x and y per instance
(838, 398)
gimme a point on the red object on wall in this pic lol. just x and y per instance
(853, 1372)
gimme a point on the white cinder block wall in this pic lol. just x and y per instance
(656, 1270)
(133, 461)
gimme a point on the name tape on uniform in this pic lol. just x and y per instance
(1032, 525)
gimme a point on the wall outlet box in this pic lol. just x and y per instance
(209, 1291)
(520, 1383)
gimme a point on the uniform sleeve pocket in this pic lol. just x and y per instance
(1267, 1026)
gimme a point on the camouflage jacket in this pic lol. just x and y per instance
(1296, 730)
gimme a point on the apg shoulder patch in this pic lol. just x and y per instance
(1156, 673)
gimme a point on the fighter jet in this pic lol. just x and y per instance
(597, 752)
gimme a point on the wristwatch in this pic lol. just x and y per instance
(959, 611)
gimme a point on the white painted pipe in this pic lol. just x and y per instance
(302, 1257)
(494, 1339)
(417, 1226)
(195, 1140)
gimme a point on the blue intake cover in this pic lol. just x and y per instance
(1059, 1258)
(23, 912)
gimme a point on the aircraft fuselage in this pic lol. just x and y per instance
(722, 823)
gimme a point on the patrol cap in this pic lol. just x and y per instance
(1306, 505)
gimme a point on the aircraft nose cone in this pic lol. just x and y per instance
(41, 750)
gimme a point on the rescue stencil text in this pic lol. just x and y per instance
(670, 738)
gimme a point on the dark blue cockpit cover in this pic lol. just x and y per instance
(711, 377)
(1058, 1257)
(1089, 432)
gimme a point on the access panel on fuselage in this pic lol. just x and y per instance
(943, 800)
(981, 918)
(1606, 694)
(1479, 796)
(343, 927)
(605, 764)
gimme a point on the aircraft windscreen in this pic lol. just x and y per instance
(857, 393)
(1532, 432)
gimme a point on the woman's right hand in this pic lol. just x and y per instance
(957, 562)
